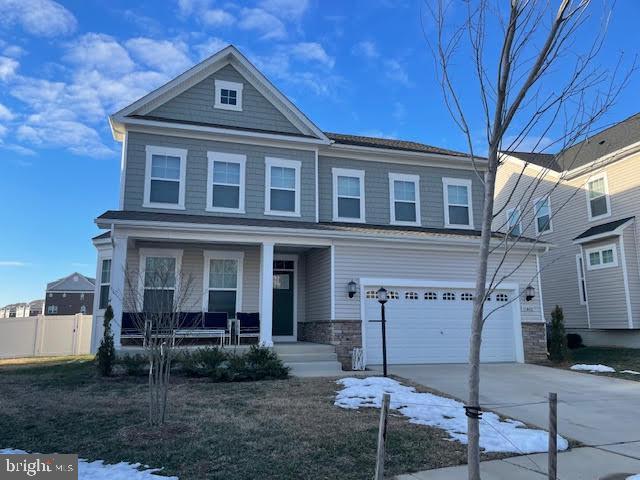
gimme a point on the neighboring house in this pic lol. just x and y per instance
(224, 181)
(70, 295)
(36, 307)
(584, 201)
(9, 311)
(30, 309)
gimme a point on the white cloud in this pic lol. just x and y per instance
(395, 71)
(18, 149)
(399, 112)
(288, 9)
(5, 113)
(530, 143)
(366, 48)
(269, 26)
(13, 51)
(217, 17)
(162, 55)
(312, 51)
(12, 263)
(99, 51)
(187, 7)
(8, 67)
(44, 18)
(211, 46)
(380, 134)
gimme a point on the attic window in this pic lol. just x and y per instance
(228, 95)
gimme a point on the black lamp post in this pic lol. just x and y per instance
(382, 298)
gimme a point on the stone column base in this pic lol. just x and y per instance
(343, 334)
(534, 340)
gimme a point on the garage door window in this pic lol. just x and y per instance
(393, 295)
(449, 296)
(411, 295)
(466, 297)
(371, 294)
(502, 297)
(430, 296)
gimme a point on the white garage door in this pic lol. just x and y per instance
(433, 325)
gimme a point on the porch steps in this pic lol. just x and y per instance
(309, 359)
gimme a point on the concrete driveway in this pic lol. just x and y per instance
(594, 410)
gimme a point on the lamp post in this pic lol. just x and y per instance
(382, 298)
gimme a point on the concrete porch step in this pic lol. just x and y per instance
(303, 347)
(308, 357)
(316, 369)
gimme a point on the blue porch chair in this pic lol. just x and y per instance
(247, 325)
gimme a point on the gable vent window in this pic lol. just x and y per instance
(430, 296)
(502, 297)
(448, 296)
(371, 294)
(466, 297)
(228, 95)
(410, 296)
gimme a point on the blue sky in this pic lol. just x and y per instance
(352, 66)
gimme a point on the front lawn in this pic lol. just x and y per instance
(269, 429)
(619, 359)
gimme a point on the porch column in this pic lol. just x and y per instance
(116, 290)
(266, 293)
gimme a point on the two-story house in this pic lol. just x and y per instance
(70, 295)
(584, 201)
(225, 180)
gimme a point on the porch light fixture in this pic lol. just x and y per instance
(352, 288)
(529, 293)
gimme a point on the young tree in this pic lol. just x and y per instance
(558, 350)
(530, 77)
(106, 354)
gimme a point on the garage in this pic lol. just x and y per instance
(433, 325)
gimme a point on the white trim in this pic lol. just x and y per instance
(294, 258)
(229, 158)
(345, 172)
(317, 195)
(222, 255)
(586, 286)
(402, 177)
(599, 250)
(539, 274)
(625, 277)
(100, 283)
(284, 163)
(446, 181)
(233, 86)
(266, 293)
(582, 284)
(162, 253)
(599, 176)
(424, 283)
(174, 152)
(535, 215)
(123, 168)
(333, 281)
(508, 213)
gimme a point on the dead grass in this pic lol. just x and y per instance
(37, 360)
(272, 429)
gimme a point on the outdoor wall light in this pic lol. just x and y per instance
(352, 288)
(529, 293)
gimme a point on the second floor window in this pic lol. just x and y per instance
(542, 211)
(348, 195)
(282, 196)
(597, 197)
(165, 177)
(514, 223)
(51, 309)
(105, 283)
(458, 209)
(404, 191)
(226, 180)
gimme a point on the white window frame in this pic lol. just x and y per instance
(508, 213)
(402, 177)
(51, 310)
(99, 280)
(535, 215)
(446, 181)
(599, 250)
(222, 255)
(174, 152)
(599, 176)
(345, 172)
(158, 252)
(582, 281)
(229, 158)
(281, 162)
(224, 84)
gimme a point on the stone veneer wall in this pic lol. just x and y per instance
(343, 334)
(534, 339)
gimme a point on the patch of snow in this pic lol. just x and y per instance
(631, 372)
(634, 477)
(98, 470)
(496, 435)
(593, 368)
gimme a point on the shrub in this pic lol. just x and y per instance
(202, 362)
(134, 365)
(264, 363)
(574, 341)
(558, 342)
(106, 355)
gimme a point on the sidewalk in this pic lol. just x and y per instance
(614, 462)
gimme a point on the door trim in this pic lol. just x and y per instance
(294, 337)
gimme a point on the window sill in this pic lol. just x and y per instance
(168, 206)
(281, 213)
(224, 210)
(599, 217)
(222, 106)
(602, 267)
(401, 223)
(459, 227)
(348, 220)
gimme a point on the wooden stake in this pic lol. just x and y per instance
(382, 436)
(553, 436)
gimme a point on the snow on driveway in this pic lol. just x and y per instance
(631, 372)
(98, 470)
(593, 368)
(496, 435)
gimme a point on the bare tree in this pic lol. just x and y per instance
(537, 81)
(157, 301)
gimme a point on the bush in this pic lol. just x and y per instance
(134, 365)
(264, 363)
(558, 351)
(202, 362)
(574, 341)
(106, 355)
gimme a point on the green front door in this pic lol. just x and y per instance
(282, 303)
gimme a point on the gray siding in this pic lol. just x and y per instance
(633, 271)
(196, 176)
(318, 284)
(376, 192)
(196, 105)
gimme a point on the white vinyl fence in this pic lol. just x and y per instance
(45, 336)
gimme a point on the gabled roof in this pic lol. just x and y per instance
(603, 230)
(228, 55)
(544, 160)
(76, 282)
